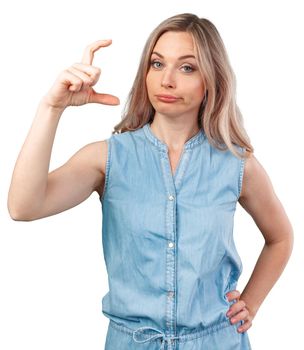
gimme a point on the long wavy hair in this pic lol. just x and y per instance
(219, 115)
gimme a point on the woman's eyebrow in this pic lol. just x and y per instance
(180, 58)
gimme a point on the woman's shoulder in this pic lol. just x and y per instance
(101, 154)
(255, 176)
(97, 153)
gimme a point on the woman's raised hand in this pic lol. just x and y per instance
(73, 86)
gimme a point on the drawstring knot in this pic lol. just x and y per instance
(159, 334)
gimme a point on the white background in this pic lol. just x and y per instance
(52, 271)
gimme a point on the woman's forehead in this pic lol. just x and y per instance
(174, 42)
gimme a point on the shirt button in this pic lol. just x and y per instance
(171, 197)
(171, 244)
(171, 294)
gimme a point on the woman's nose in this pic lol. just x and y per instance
(168, 79)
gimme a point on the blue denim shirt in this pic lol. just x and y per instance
(168, 240)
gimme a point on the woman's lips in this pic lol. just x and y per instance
(167, 98)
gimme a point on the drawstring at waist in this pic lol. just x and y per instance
(140, 336)
(159, 335)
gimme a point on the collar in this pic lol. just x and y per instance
(192, 142)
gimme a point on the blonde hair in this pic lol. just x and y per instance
(219, 115)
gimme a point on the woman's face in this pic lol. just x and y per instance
(171, 74)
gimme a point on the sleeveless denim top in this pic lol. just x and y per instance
(168, 239)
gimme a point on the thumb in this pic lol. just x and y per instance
(105, 99)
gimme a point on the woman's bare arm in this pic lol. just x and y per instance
(29, 180)
(34, 192)
(259, 199)
(74, 181)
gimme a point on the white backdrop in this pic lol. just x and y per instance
(52, 270)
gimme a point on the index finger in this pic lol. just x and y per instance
(233, 294)
(88, 54)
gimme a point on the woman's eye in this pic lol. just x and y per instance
(153, 62)
(188, 68)
(191, 69)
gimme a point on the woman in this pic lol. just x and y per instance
(169, 179)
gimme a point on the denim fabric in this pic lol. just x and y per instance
(168, 244)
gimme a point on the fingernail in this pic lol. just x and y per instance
(228, 313)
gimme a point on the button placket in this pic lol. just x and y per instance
(172, 184)
(170, 251)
